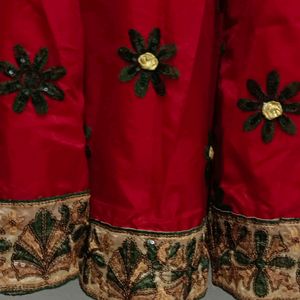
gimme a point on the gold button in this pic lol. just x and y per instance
(211, 152)
(148, 61)
(272, 110)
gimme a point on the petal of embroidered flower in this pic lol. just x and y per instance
(166, 52)
(21, 56)
(261, 242)
(127, 55)
(248, 105)
(21, 101)
(8, 69)
(261, 287)
(242, 258)
(154, 40)
(255, 90)
(282, 262)
(168, 70)
(272, 84)
(291, 108)
(128, 73)
(9, 87)
(41, 58)
(253, 121)
(39, 103)
(142, 84)
(287, 125)
(290, 91)
(52, 91)
(268, 131)
(158, 84)
(54, 73)
(137, 41)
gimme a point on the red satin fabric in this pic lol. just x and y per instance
(259, 179)
(147, 165)
(43, 156)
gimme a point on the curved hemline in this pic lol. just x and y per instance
(237, 297)
(150, 232)
(46, 199)
(228, 291)
(254, 219)
(90, 295)
(21, 292)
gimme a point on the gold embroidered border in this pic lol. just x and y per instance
(254, 258)
(40, 242)
(136, 265)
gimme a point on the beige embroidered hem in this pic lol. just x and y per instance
(40, 242)
(254, 258)
(132, 264)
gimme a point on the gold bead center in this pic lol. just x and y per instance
(148, 61)
(211, 153)
(272, 110)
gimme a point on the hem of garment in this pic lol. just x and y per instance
(255, 258)
(24, 291)
(239, 297)
(122, 263)
(41, 241)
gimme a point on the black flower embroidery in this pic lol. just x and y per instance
(148, 62)
(31, 80)
(271, 106)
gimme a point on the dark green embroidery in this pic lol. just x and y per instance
(261, 279)
(270, 106)
(231, 243)
(44, 246)
(194, 259)
(121, 275)
(152, 251)
(51, 244)
(31, 80)
(148, 61)
(5, 245)
(91, 258)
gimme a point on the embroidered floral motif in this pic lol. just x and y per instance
(254, 258)
(261, 279)
(11, 222)
(42, 249)
(271, 106)
(148, 61)
(129, 264)
(31, 80)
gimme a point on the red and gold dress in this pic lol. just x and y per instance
(150, 84)
(255, 222)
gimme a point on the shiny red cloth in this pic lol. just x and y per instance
(43, 156)
(148, 155)
(259, 179)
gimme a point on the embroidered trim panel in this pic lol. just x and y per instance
(130, 264)
(40, 242)
(254, 258)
